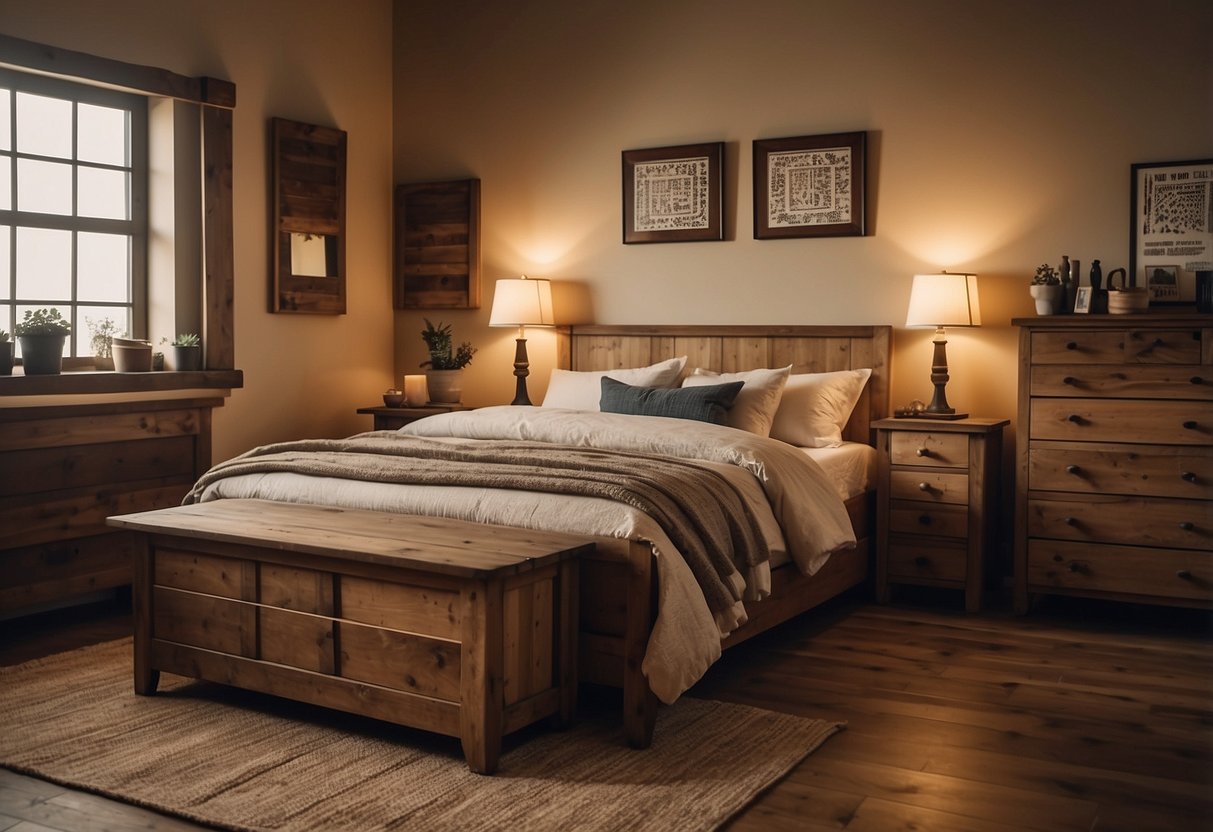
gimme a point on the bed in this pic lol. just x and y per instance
(633, 620)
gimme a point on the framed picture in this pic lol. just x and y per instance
(672, 194)
(809, 186)
(1171, 228)
(1082, 300)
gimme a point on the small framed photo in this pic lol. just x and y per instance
(672, 194)
(809, 186)
(1171, 228)
(1082, 300)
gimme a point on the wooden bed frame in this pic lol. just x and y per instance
(618, 588)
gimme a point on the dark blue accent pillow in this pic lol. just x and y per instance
(709, 403)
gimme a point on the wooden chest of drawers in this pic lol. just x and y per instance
(938, 503)
(1115, 458)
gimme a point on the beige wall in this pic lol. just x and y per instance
(321, 62)
(1000, 137)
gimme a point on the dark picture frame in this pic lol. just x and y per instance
(673, 194)
(810, 186)
(1171, 227)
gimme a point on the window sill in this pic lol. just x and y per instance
(85, 383)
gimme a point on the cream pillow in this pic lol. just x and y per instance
(582, 390)
(816, 407)
(754, 408)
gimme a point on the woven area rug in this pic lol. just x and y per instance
(239, 760)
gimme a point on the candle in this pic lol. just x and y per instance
(415, 394)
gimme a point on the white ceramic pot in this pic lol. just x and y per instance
(1048, 297)
(445, 386)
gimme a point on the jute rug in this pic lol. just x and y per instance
(241, 761)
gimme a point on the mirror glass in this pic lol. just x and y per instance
(313, 255)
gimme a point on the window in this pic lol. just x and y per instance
(73, 205)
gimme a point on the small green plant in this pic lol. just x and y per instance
(3, 336)
(186, 339)
(437, 339)
(101, 336)
(42, 322)
(1046, 275)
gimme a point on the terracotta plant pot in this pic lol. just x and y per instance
(42, 355)
(445, 386)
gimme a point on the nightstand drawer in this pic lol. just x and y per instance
(936, 487)
(1123, 420)
(945, 450)
(1144, 521)
(934, 560)
(928, 519)
(1130, 570)
(1157, 472)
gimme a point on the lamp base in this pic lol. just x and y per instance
(941, 416)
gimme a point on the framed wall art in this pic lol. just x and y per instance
(809, 186)
(1171, 228)
(672, 194)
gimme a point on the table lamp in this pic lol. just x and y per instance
(941, 300)
(522, 302)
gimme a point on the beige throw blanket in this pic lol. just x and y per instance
(698, 508)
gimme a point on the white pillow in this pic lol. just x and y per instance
(582, 390)
(816, 406)
(754, 408)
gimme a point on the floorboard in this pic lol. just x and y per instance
(1079, 716)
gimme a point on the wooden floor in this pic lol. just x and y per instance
(1081, 716)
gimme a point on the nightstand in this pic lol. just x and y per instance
(937, 503)
(393, 418)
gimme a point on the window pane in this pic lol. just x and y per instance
(6, 120)
(99, 320)
(6, 238)
(103, 267)
(6, 182)
(64, 311)
(44, 187)
(102, 193)
(101, 135)
(44, 125)
(44, 264)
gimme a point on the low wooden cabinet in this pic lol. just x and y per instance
(394, 418)
(937, 504)
(1115, 458)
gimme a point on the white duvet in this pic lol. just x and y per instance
(798, 508)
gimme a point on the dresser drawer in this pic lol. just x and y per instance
(1127, 346)
(1141, 521)
(942, 520)
(1131, 570)
(1155, 381)
(944, 450)
(1159, 472)
(927, 559)
(932, 486)
(1122, 420)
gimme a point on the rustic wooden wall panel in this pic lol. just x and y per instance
(437, 245)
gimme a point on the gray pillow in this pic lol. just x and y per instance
(709, 403)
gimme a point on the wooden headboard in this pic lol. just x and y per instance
(727, 349)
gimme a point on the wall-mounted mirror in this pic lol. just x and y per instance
(308, 195)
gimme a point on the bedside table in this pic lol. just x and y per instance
(393, 418)
(937, 503)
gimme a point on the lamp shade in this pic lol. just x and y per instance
(944, 300)
(522, 302)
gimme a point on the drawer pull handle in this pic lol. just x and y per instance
(925, 519)
(1184, 575)
(1073, 469)
(1069, 380)
(1071, 345)
(923, 452)
(924, 486)
(1187, 526)
(1191, 424)
(1075, 418)
(1078, 568)
(1070, 521)
(1196, 380)
(921, 560)
(1188, 476)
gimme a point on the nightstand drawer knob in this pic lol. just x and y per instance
(1187, 526)
(1069, 380)
(1075, 418)
(1071, 345)
(1196, 380)
(924, 519)
(1184, 575)
(1078, 568)
(923, 452)
(921, 560)
(1070, 521)
(924, 486)
(1191, 424)
(1073, 469)
(1188, 476)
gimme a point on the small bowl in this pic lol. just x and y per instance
(393, 398)
(1128, 301)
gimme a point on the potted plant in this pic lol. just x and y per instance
(1046, 290)
(101, 341)
(132, 355)
(187, 352)
(444, 376)
(41, 335)
(6, 354)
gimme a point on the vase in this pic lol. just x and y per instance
(445, 386)
(1048, 297)
(42, 355)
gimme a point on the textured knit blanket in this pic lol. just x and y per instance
(700, 510)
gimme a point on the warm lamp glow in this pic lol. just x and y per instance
(941, 300)
(522, 302)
